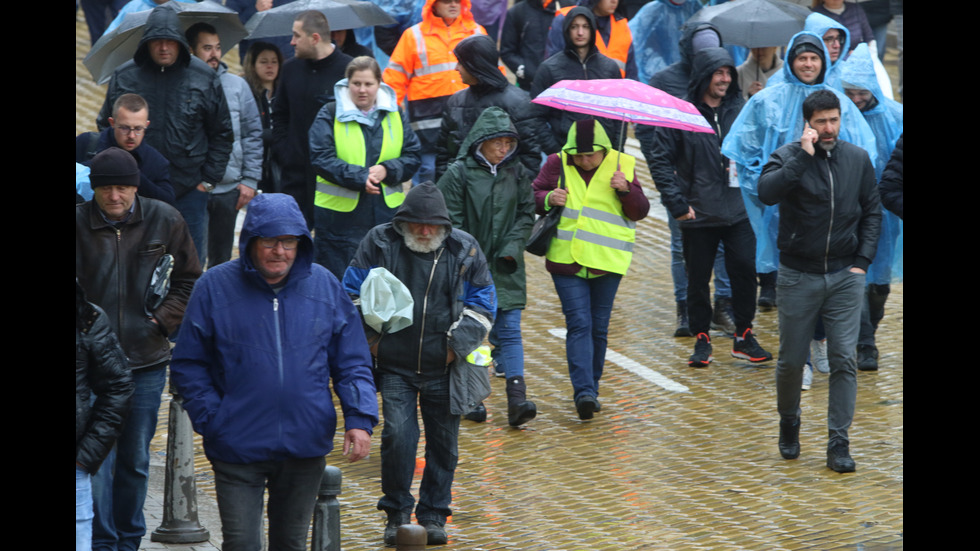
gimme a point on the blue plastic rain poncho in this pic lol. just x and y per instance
(405, 12)
(772, 118)
(819, 24)
(656, 32)
(83, 185)
(885, 117)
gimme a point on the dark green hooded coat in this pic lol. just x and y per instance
(494, 204)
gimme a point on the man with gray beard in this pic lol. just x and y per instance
(454, 306)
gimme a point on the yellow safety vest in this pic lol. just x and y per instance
(348, 138)
(593, 231)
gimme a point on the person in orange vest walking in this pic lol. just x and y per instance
(422, 71)
(613, 36)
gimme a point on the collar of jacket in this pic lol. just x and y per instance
(98, 220)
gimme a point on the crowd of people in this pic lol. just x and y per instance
(319, 141)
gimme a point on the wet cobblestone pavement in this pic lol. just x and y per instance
(678, 458)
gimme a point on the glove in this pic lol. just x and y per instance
(520, 72)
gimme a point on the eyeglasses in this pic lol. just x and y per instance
(288, 243)
(831, 39)
(126, 130)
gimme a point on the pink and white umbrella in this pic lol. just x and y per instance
(624, 100)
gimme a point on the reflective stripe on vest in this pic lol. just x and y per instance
(620, 39)
(349, 141)
(593, 231)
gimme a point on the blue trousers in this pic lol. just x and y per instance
(193, 206)
(83, 510)
(587, 305)
(505, 336)
(119, 486)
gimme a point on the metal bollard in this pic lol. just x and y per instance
(326, 514)
(180, 521)
(411, 537)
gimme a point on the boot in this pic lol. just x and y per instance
(789, 439)
(683, 326)
(767, 291)
(721, 318)
(478, 415)
(520, 410)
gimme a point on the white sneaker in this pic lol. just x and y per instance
(807, 377)
(818, 355)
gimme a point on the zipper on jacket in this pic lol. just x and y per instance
(830, 228)
(275, 316)
(425, 305)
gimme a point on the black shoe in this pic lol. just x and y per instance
(436, 533)
(747, 348)
(520, 410)
(789, 439)
(867, 357)
(478, 415)
(702, 352)
(721, 316)
(391, 527)
(683, 326)
(585, 405)
(839, 458)
(767, 291)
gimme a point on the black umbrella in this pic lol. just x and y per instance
(341, 14)
(754, 23)
(118, 46)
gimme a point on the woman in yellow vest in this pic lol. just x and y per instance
(593, 247)
(361, 151)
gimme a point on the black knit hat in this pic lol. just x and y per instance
(114, 167)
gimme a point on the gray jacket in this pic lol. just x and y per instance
(245, 163)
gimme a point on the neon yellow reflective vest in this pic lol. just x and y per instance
(349, 140)
(593, 231)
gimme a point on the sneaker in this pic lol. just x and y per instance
(747, 348)
(807, 376)
(867, 357)
(702, 352)
(436, 533)
(586, 405)
(818, 355)
(721, 316)
(683, 328)
(498, 371)
(839, 458)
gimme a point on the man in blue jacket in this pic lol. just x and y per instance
(263, 338)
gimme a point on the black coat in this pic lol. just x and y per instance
(688, 167)
(524, 36)
(567, 65)
(100, 369)
(192, 125)
(892, 186)
(478, 54)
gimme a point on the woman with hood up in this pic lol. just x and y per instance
(488, 194)
(362, 150)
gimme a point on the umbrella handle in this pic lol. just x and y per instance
(622, 140)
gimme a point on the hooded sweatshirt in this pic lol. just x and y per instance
(675, 78)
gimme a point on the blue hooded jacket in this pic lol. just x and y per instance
(657, 34)
(819, 24)
(255, 364)
(773, 118)
(886, 119)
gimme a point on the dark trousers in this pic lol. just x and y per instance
(700, 247)
(222, 216)
(292, 484)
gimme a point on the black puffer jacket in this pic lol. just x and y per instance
(892, 185)
(100, 369)
(567, 65)
(829, 209)
(675, 78)
(478, 55)
(701, 180)
(192, 125)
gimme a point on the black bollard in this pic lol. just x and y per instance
(180, 521)
(411, 537)
(326, 515)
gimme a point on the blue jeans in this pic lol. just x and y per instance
(293, 485)
(803, 298)
(678, 270)
(193, 206)
(427, 170)
(505, 336)
(83, 510)
(587, 305)
(119, 486)
(399, 444)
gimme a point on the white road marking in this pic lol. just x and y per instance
(634, 367)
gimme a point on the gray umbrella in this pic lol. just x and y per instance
(341, 14)
(118, 46)
(754, 23)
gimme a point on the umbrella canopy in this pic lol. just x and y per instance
(624, 100)
(342, 14)
(118, 46)
(754, 23)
